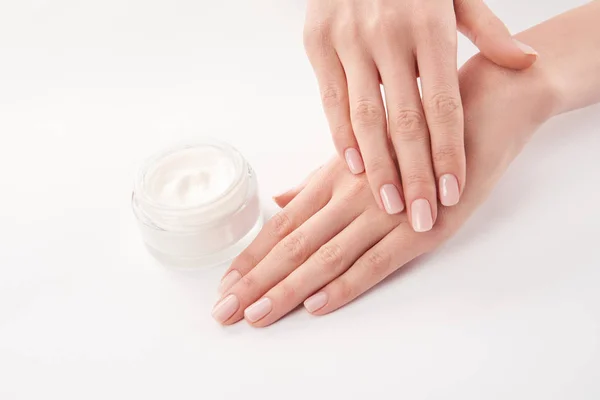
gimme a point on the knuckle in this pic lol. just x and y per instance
(288, 293)
(346, 30)
(378, 263)
(382, 25)
(295, 247)
(331, 96)
(368, 112)
(345, 290)
(356, 187)
(378, 165)
(459, 5)
(445, 154)
(416, 178)
(342, 133)
(388, 20)
(430, 22)
(247, 282)
(410, 124)
(352, 192)
(444, 107)
(280, 225)
(330, 257)
(426, 19)
(315, 35)
(245, 260)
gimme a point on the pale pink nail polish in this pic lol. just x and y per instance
(226, 308)
(525, 48)
(354, 161)
(229, 280)
(391, 199)
(449, 191)
(258, 310)
(316, 302)
(422, 220)
(282, 193)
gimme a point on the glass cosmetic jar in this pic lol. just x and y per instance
(197, 205)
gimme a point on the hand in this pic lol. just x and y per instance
(331, 242)
(354, 45)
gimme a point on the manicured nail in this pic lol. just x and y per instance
(316, 302)
(449, 191)
(282, 193)
(391, 199)
(525, 48)
(258, 310)
(422, 220)
(229, 280)
(226, 308)
(354, 161)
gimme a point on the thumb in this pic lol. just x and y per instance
(477, 22)
(285, 198)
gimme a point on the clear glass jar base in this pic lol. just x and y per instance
(207, 261)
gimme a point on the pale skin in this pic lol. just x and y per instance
(411, 148)
(331, 242)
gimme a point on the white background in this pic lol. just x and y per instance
(510, 308)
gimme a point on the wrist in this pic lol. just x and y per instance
(546, 79)
(568, 59)
(535, 89)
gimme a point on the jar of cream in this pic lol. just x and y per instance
(197, 205)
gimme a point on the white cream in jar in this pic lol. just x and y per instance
(197, 205)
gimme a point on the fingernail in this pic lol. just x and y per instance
(229, 280)
(391, 199)
(316, 302)
(449, 191)
(259, 309)
(525, 48)
(282, 194)
(422, 219)
(226, 308)
(354, 161)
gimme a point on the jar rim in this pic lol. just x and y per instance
(240, 165)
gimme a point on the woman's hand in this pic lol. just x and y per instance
(331, 242)
(354, 45)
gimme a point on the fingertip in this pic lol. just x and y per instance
(527, 55)
(449, 190)
(282, 200)
(227, 282)
(354, 161)
(526, 49)
(316, 302)
(391, 199)
(511, 54)
(421, 215)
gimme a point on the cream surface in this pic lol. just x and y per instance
(190, 177)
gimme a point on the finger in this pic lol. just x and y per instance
(283, 199)
(393, 251)
(436, 60)
(334, 95)
(286, 256)
(331, 260)
(477, 22)
(410, 137)
(370, 127)
(301, 208)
